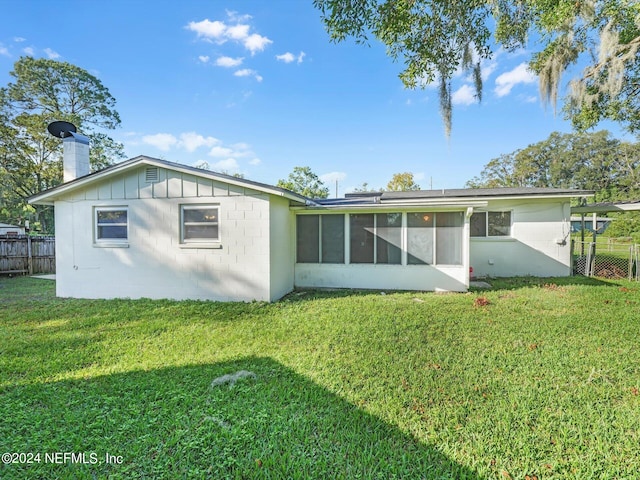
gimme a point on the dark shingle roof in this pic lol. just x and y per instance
(368, 198)
(484, 192)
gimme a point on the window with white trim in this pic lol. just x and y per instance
(490, 224)
(111, 224)
(199, 223)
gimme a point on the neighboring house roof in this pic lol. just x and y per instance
(8, 225)
(604, 207)
(48, 196)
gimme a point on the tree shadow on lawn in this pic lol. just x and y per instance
(173, 423)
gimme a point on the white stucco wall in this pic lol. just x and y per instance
(154, 264)
(384, 277)
(535, 247)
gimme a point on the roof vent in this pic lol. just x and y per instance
(151, 174)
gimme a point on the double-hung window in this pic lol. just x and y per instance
(199, 224)
(111, 225)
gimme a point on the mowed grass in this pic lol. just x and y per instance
(533, 379)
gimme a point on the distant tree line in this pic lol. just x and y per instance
(589, 161)
(43, 91)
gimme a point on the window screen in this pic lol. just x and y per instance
(478, 224)
(420, 238)
(388, 238)
(449, 238)
(362, 238)
(332, 238)
(499, 224)
(308, 246)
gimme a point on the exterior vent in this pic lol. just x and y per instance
(151, 174)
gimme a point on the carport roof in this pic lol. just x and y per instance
(604, 207)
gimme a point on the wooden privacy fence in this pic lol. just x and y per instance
(23, 254)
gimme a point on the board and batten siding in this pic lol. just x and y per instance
(154, 264)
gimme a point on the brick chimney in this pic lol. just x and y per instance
(75, 157)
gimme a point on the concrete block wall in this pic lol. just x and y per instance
(539, 244)
(153, 263)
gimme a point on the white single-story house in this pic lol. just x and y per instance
(11, 230)
(151, 228)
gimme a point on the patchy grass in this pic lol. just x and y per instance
(537, 378)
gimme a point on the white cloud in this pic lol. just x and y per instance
(488, 67)
(227, 165)
(29, 51)
(228, 61)
(208, 29)
(220, 32)
(247, 72)
(286, 57)
(51, 54)
(289, 57)
(241, 146)
(465, 95)
(19, 39)
(220, 152)
(333, 177)
(4, 51)
(224, 156)
(506, 81)
(191, 141)
(256, 43)
(162, 141)
(236, 17)
(238, 32)
(203, 58)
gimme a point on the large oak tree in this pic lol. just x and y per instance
(43, 91)
(438, 38)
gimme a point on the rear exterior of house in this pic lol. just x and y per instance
(156, 229)
(433, 240)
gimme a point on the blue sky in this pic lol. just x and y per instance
(257, 87)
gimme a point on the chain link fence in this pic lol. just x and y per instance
(606, 259)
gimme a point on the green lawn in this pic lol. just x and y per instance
(533, 379)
